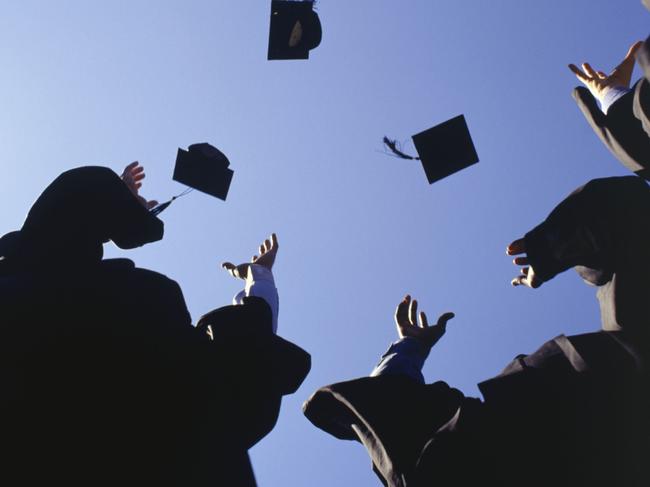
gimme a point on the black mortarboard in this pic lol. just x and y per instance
(205, 168)
(443, 150)
(295, 29)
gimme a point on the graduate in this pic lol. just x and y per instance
(618, 112)
(572, 413)
(105, 380)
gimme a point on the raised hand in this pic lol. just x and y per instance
(527, 276)
(406, 319)
(267, 250)
(598, 82)
(132, 176)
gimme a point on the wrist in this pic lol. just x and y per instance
(610, 95)
(416, 344)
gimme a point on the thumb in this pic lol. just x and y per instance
(444, 318)
(633, 49)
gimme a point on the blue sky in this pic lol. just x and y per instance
(111, 82)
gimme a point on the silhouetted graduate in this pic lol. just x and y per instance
(621, 121)
(573, 413)
(105, 380)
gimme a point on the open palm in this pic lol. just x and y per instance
(406, 319)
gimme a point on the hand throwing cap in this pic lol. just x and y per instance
(205, 168)
(295, 29)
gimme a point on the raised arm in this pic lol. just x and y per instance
(594, 229)
(132, 176)
(259, 277)
(416, 338)
(607, 88)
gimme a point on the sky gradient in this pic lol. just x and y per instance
(106, 83)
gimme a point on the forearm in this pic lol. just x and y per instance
(260, 283)
(404, 357)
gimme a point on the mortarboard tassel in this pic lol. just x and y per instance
(394, 147)
(163, 206)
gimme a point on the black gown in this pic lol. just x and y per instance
(104, 379)
(625, 128)
(106, 382)
(572, 413)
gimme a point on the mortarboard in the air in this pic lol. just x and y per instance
(443, 150)
(202, 167)
(295, 29)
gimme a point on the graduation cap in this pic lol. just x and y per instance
(295, 29)
(202, 167)
(443, 150)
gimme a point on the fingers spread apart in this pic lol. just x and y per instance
(402, 311)
(413, 313)
(444, 318)
(516, 247)
(579, 74)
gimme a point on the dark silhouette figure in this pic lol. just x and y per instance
(573, 413)
(622, 122)
(104, 379)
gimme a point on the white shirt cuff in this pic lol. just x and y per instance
(260, 283)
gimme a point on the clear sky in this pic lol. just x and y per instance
(111, 82)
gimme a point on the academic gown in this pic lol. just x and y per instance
(573, 413)
(620, 130)
(106, 382)
(625, 129)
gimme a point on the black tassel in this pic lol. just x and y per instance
(393, 145)
(161, 207)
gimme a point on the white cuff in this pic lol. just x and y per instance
(260, 283)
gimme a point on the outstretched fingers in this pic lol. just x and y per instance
(520, 261)
(443, 319)
(132, 176)
(413, 312)
(402, 311)
(267, 252)
(516, 247)
(579, 74)
(230, 267)
(623, 72)
(589, 70)
(424, 323)
(131, 166)
(269, 244)
(631, 53)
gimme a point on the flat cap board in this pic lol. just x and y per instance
(205, 168)
(445, 149)
(295, 30)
